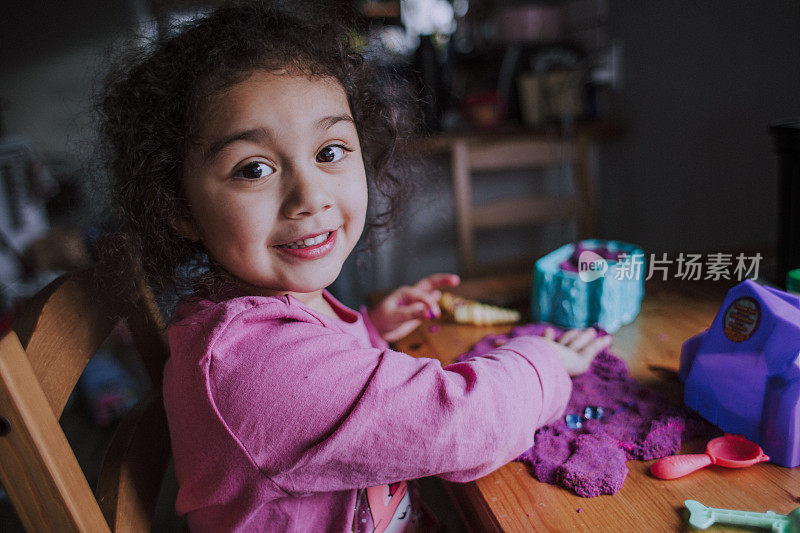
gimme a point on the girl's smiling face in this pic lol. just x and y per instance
(276, 185)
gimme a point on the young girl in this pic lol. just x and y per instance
(247, 142)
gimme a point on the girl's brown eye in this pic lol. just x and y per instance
(331, 153)
(254, 171)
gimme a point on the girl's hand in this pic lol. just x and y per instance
(403, 310)
(577, 347)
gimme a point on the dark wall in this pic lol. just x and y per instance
(696, 170)
(33, 30)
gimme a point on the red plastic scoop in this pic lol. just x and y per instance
(731, 451)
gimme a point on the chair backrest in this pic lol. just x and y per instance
(479, 153)
(54, 338)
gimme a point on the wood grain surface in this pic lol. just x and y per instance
(510, 499)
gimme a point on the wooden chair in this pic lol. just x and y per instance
(473, 153)
(40, 362)
(470, 156)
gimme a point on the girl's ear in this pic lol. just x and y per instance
(185, 227)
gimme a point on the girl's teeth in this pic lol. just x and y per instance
(309, 242)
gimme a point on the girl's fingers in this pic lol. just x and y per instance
(411, 311)
(549, 333)
(437, 281)
(398, 296)
(413, 296)
(597, 345)
(582, 339)
(567, 337)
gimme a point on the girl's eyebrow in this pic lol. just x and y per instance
(256, 135)
(327, 122)
(260, 135)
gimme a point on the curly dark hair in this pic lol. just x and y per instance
(153, 103)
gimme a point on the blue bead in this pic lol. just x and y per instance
(593, 412)
(573, 421)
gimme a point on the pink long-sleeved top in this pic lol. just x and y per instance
(286, 419)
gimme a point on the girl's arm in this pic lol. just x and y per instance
(318, 412)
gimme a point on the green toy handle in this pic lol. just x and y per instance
(703, 517)
(679, 465)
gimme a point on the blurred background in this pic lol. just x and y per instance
(543, 122)
(674, 98)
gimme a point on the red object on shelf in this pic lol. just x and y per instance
(6, 322)
(529, 23)
(484, 109)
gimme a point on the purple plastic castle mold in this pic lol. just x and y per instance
(743, 373)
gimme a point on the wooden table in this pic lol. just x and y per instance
(510, 499)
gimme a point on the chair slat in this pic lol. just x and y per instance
(149, 333)
(61, 330)
(134, 466)
(524, 153)
(519, 211)
(37, 466)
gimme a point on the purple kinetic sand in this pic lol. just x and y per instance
(596, 466)
(637, 423)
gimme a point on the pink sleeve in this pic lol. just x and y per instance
(317, 412)
(374, 337)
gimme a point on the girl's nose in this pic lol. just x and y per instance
(307, 194)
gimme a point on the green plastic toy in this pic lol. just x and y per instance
(703, 517)
(793, 281)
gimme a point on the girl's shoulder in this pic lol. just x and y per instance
(200, 311)
(202, 323)
(201, 326)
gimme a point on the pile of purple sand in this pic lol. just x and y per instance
(637, 423)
